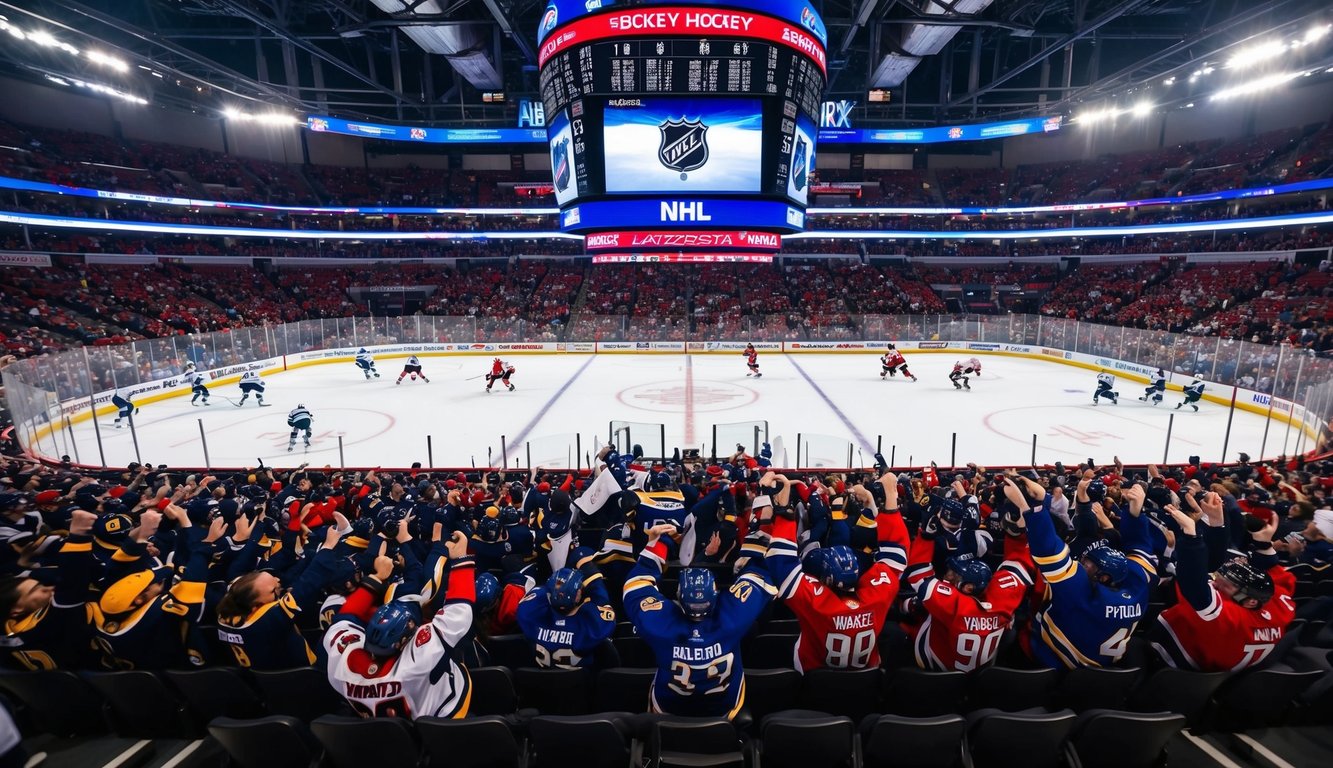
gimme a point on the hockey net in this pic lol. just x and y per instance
(624, 435)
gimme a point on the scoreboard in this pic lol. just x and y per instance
(680, 114)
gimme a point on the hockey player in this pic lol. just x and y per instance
(413, 367)
(366, 362)
(892, 362)
(1233, 620)
(959, 373)
(1156, 388)
(251, 383)
(124, 408)
(967, 611)
(752, 361)
(842, 613)
(199, 386)
(1104, 383)
(1092, 605)
(500, 371)
(1193, 392)
(568, 617)
(696, 638)
(299, 419)
(973, 366)
(397, 662)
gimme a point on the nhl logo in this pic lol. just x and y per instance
(684, 145)
(560, 164)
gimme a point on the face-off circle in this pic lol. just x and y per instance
(672, 398)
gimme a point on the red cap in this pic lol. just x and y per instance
(714, 470)
(451, 484)
(275, 487)
(118, 491)
(543, 487)
(47, 497)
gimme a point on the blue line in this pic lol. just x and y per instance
(541, 413)
(836, 410)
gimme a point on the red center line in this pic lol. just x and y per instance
(689, 401)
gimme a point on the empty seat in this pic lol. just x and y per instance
(634, 652)
(493, 691)
(692, 742)
(806, 740)
(303, 693)
(216, 692)
(918, 693)
(355, 742)
(470, 742)
(1096, 688)
(141, 705)
(1104, 738)
(1012, 690)
(893, 741)
(1261, 697)
(770, 651)
(850, 693)
(770, 690)
(623, 690)
(586, 741)
(1177, 690)
(513, 651)
(277, 740)
(998, 739)
(554, 691)
(57, 701)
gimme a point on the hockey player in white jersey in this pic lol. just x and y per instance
(1193, 393)
(1105, 381)
(251, 383)
(1156, 388)
(299, 420)
(366, 362)
(124, 408)
(400, 660)
(413, 368)
(199, 386)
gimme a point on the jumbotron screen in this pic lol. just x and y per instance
(682, 114)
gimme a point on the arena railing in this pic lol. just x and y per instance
(48, 393)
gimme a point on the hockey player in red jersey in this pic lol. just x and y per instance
(968, 611)
(500, 371)
(842, 615)
(752, 361)
(1234, 620)
(959, 373)
(892, 362)
(395, 663)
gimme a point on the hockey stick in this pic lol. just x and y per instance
(474, 378)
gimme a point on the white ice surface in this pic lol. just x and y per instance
(829, 400)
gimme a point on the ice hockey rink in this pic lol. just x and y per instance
(563, 406)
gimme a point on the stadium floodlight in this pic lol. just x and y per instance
(1256, 54)
(108, 61)
(1315, 34)
(1258, 85)
(1143, 108)
(263, 118)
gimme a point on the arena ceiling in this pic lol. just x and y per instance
(433, 60)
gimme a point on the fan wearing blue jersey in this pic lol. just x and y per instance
(568, 617)
(697, 637)
(1092, 604)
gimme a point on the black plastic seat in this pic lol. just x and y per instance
(634, 652)
(213, 692)
(770, 690)
(1087, 688)
(355, 742)
(1034, 739)
(586, 741)
(554, 691)
(850, 693)
(303, 693)
(918, 693)
(58, 702)
(277, 741)
(1012, 690)
(493, 691)
(513, 651)
(623, 690)
(470, 742)
(692, 742)
(1104, 738)
(1177, 690)
(807, 740)
(893, 741)
(139, 704)
(770, 651)
(1260, 697)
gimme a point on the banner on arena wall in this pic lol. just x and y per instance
(11, 259)
(732, 346)
(984, 347)
(580, 346)
(828, 346)
(932, 345)
(640, 346)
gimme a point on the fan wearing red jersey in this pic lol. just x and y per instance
(841, 616)
(1234, 621)
(968, 611)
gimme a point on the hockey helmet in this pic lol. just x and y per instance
(841, 570)
(956, 513)
(363, 527)
(1096, 490)
(488, 529)
(388, 518)
(112, 527)
(564, 589)
(892, 347)
(509, 515)
(697, 593)
(1248, 581)
(970, 571)
(488, 590)
(1109, 562)
(389, 625)
(660, 481)
(815, 562)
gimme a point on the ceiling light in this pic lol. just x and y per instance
(1143, 109)
(1256, 85)
(1264, 51)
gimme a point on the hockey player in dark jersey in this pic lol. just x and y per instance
(569, 617)
(1105, 381)
(1155, 389)
(752, 361)
(299, 420)
(124, 408)
(1193, 393)
(413, 368)
(959, 374)
(696, 638)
